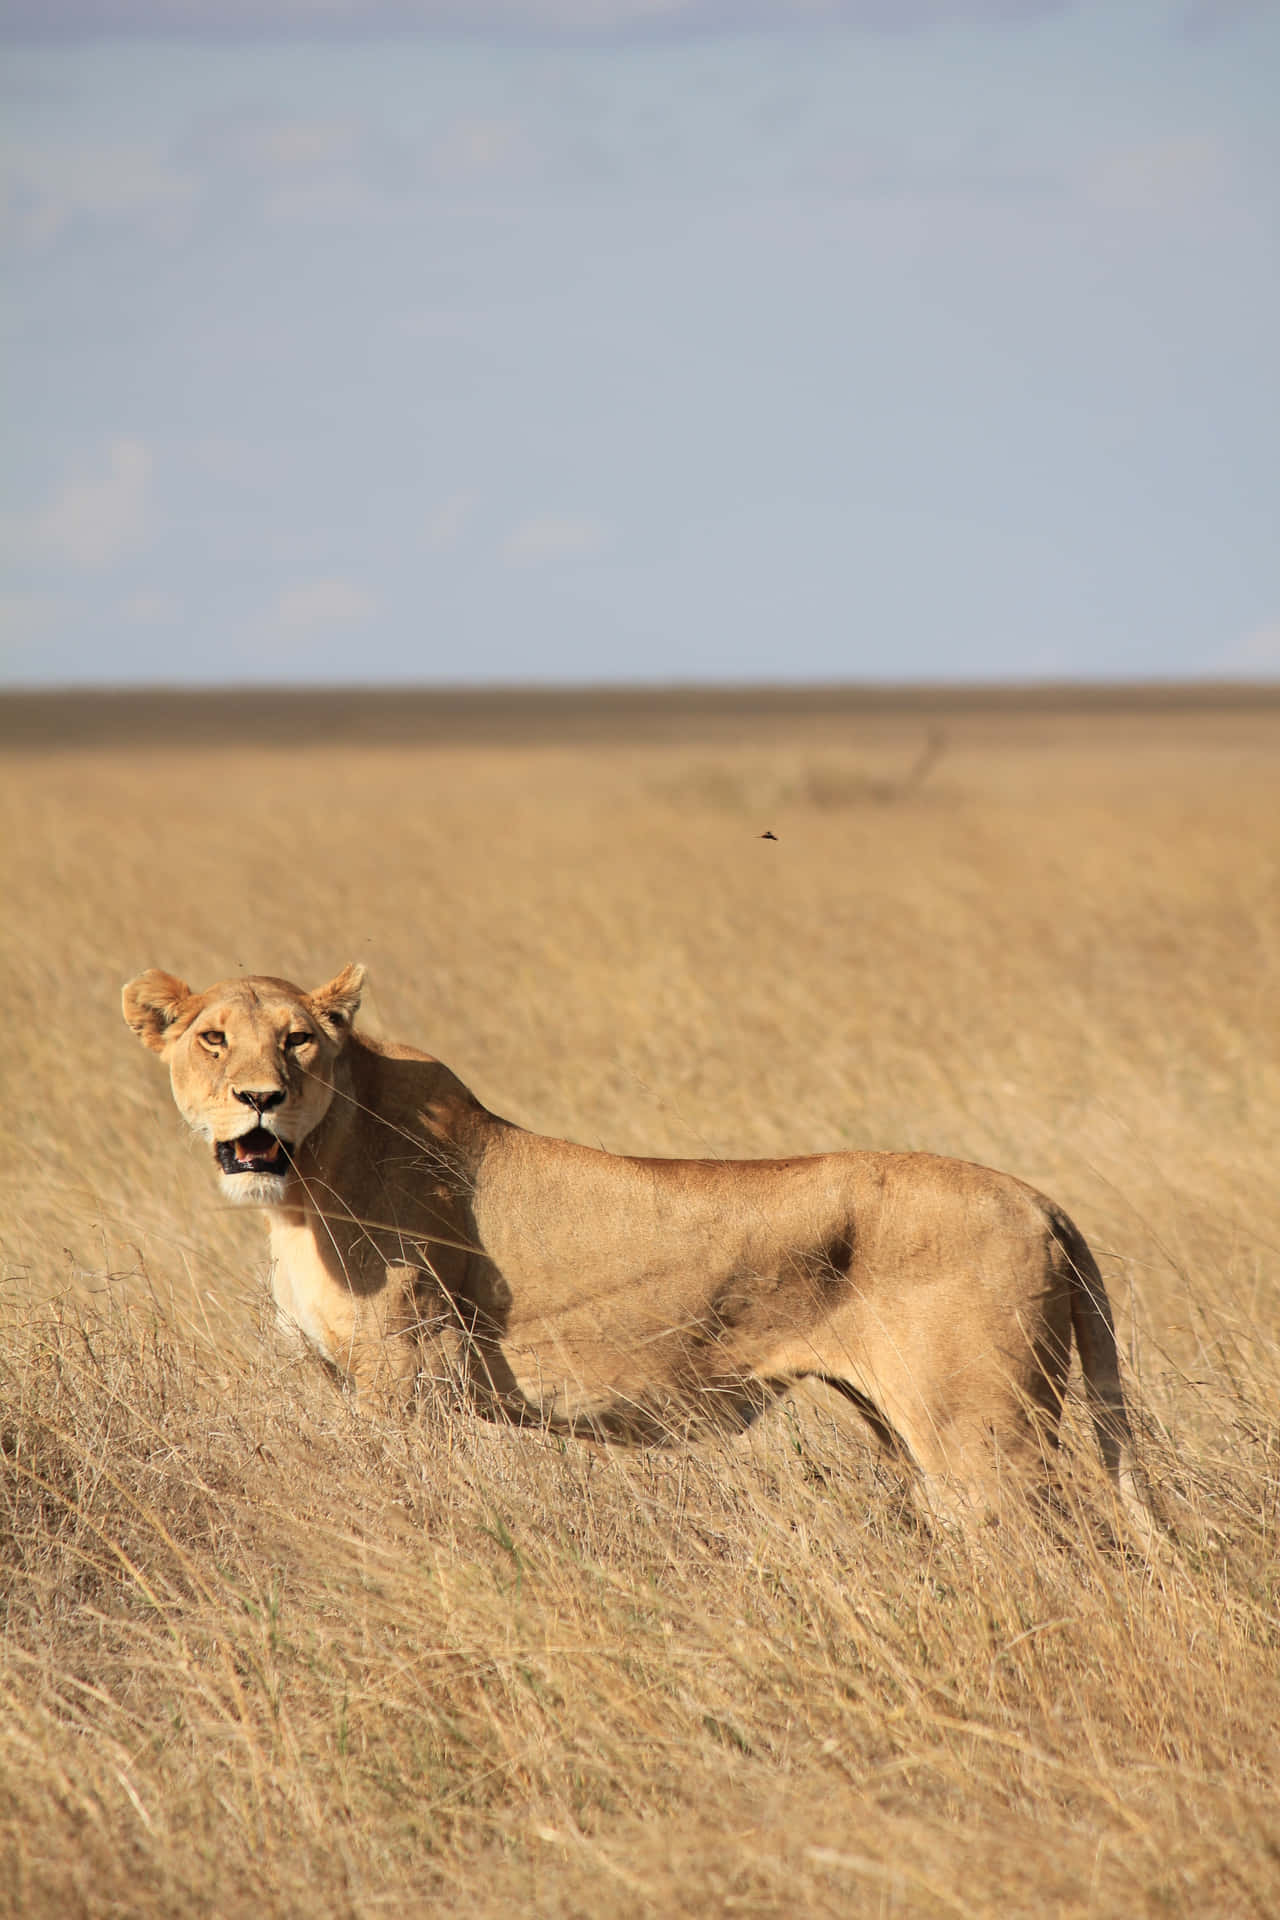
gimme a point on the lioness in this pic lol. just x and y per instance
(412, 1231)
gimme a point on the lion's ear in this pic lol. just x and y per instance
(336, 1005)
(151, 1004)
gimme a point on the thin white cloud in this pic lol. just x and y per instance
(549, 536)
(1206, 19)
(292, 147)
(229, 461)
(150, 608)
(302, 617)
(474, 151)
(551, 19)
(1172, 175)
(45, 187)
(296, 167)
(26, 619)
(316, 604)
(100, 513)
(321, 202)
(1257, 655)
(447, 522)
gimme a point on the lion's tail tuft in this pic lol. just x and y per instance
(1095, 1333)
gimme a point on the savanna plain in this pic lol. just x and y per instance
(264, 1654)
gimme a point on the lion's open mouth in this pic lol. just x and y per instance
(254, 1152)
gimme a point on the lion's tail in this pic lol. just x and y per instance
(1096, 1340)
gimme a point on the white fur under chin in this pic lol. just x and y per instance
(253, 1189)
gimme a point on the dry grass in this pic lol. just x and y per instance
(262, 1656)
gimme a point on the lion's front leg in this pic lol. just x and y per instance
(439, 1339)
(291, 1341)
(382, 1352)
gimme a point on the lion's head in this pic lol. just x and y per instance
(251, 1063)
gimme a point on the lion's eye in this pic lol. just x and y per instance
(295, 1040)
(212, 1038)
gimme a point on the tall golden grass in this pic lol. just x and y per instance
(262, 1655)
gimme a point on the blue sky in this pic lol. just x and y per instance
(562, 340)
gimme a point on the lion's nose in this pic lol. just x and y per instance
(261, 1102)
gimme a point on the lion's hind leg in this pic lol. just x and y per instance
(966, 1454)
(978, 1468)
(891, 1442)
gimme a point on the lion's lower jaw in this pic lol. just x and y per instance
(253, 1189)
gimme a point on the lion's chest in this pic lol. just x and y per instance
(306, 1294)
